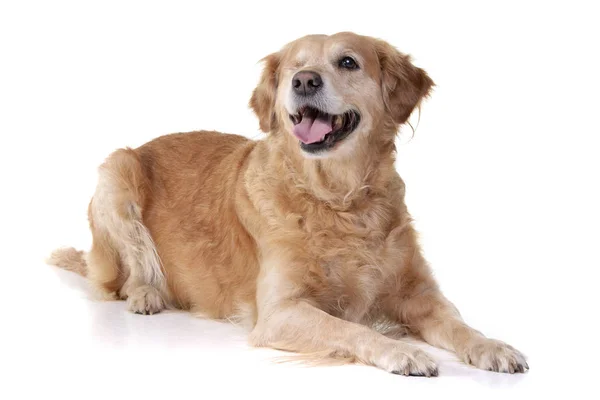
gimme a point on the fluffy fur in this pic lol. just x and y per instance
(311, 252)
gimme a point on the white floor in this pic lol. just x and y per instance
(61, 342)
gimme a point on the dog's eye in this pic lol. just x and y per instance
(348, 63)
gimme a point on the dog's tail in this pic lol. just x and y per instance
(69, 259)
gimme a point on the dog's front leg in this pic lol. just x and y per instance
(289, 321)
(416, 302)
(434, 319)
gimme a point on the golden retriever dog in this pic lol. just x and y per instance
(302, 236)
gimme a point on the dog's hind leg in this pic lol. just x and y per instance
(124, 259)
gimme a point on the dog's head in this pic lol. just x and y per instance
(330, 92)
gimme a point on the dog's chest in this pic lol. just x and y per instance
(347, 265)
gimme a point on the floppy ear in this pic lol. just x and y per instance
(403, 84)
(263, 97)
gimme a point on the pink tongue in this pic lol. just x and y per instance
(311, 130)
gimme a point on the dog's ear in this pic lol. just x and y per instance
(403, 84)
(263, 97)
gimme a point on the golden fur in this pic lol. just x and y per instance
(311, 252)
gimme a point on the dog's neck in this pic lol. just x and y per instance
(341, 182)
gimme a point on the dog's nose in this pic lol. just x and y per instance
(306, 83)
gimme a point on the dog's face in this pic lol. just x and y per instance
(329, 93)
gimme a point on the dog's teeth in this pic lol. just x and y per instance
(337, 122)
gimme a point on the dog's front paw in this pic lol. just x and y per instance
(494, 355)
(402, 359)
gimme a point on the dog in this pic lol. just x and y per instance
(303, 236)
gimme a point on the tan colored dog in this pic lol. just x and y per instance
(303, 235)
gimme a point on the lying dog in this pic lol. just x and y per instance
(304, 235)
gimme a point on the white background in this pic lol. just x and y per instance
(502, 179)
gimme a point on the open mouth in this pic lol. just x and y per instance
(318, 131)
